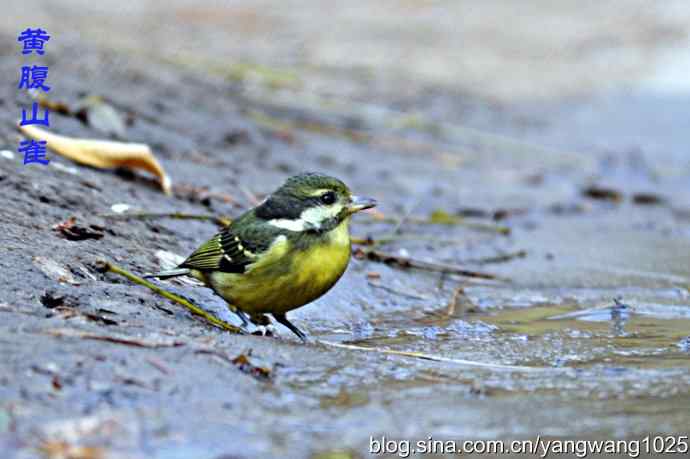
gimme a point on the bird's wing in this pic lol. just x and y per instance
(232, 249)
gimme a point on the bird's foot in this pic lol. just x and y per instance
(282, 319)
(260, 319)
(264, 330)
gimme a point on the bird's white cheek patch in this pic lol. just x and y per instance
(290, 225)
(310, 218)
(317, 215)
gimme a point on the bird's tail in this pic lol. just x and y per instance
(169, 273)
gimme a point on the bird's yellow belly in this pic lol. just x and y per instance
(287, 278)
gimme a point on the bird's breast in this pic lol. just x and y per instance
(320, 265)
(291, 275)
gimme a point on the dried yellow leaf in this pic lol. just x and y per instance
(102, 154)
(58, 449)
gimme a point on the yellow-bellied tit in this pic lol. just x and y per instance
(284, 253)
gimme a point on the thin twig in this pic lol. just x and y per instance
(158, 365)
(502, 258)
(362, 241)
(402, 219)
(390, 289)
(407, 262)
(194, 309)
(117, 339)
(251, 197)
(373, 242)
(478, 226)
(438, 358)
(220, 221)
(453, 303)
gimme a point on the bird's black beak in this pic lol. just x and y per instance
(358, 203)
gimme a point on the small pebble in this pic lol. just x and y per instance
(62, 167)
(684, 344)
(119, 208)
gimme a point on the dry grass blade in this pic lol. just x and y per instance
(454, 221)
(458, 293)
(220, 221)
(502, 258)
(407, 262)
(103, 154)
(194, 309)
(438, 358)
(117, 339)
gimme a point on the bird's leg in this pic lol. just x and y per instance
(282, 319)
(260, 319)
(262, 323)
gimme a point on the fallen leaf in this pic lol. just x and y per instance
(441, 217)
(70, 230)
(603, 194)
(241, 362)
(245, 366)
(102, 154)
(60, 449)
(54, 106)
(52, 299)
(54, 270)
(648, 199)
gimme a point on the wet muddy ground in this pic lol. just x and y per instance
(564, 176)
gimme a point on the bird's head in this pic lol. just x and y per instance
(311, 202)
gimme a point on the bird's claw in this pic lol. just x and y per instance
(264, 330)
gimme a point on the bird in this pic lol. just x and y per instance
(282, 254)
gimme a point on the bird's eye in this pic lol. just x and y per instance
(328, 198)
